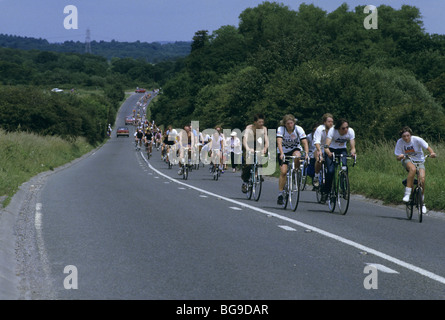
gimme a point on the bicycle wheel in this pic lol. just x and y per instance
(318, 190)
(332, 196)
(295, 190)
(343, 192)
(249, 189)
(257, 186)
(285, 194)
(409, 208)
(304, 177)
(185, 172)
(419, 203)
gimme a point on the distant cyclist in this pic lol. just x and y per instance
(138, 135)
(255, 138)
(186, 140)
(413, 147)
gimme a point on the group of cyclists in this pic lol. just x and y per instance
(327, 139)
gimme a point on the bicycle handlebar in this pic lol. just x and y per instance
(348, 157)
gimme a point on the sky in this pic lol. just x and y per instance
(160, 20)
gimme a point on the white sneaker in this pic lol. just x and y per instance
(316, 181)
(424, 210)
(406, 198)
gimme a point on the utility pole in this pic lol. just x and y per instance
(88, 42)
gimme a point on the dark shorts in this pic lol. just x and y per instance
(286, 162)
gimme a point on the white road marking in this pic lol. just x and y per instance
(40, 242)
(287, 228)
(382, 268)
(327, 234)
(235, 208)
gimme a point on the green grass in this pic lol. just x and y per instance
(24, 155)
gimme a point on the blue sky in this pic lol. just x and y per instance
(161, 20)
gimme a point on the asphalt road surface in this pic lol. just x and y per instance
(118, 226)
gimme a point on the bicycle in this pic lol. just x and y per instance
(215, 166)
(254, 185)
(291, 191)
(340, 188)
(322, 183)
(416, 197)
(148, 150)
(303, 170)
(137, 145)
(186, 164)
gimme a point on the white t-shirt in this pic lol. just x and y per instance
(339, 141)
(310, 142)
(320, 136)
(291, 140)
(216, 141)
(414, 148)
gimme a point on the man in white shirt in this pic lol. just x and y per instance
(319, 140)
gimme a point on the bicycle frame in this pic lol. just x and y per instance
(340, 182)
(416, 197)
(292, 186)
(255, 181)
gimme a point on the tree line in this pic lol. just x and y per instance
(309, 62)
(154, 52)
(47, 68)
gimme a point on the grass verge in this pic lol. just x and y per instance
(24, 155)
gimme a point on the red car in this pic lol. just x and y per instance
(140, 90)
(129, 120)
(122, 131)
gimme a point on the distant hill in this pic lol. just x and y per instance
(150, 52)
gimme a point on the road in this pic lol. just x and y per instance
(133, 229)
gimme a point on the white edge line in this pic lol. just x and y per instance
(377, 253)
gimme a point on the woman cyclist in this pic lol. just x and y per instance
(290, 137)
(412, 146)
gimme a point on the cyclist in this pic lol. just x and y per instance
(319, 142)
(290, 137)
(252, 142)
(158, 138)
(186, 140)
(412, 146)
(336, 140)
(310, 142)
(216, 147)
(233, 149)
(138, 135)
(148, 139)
